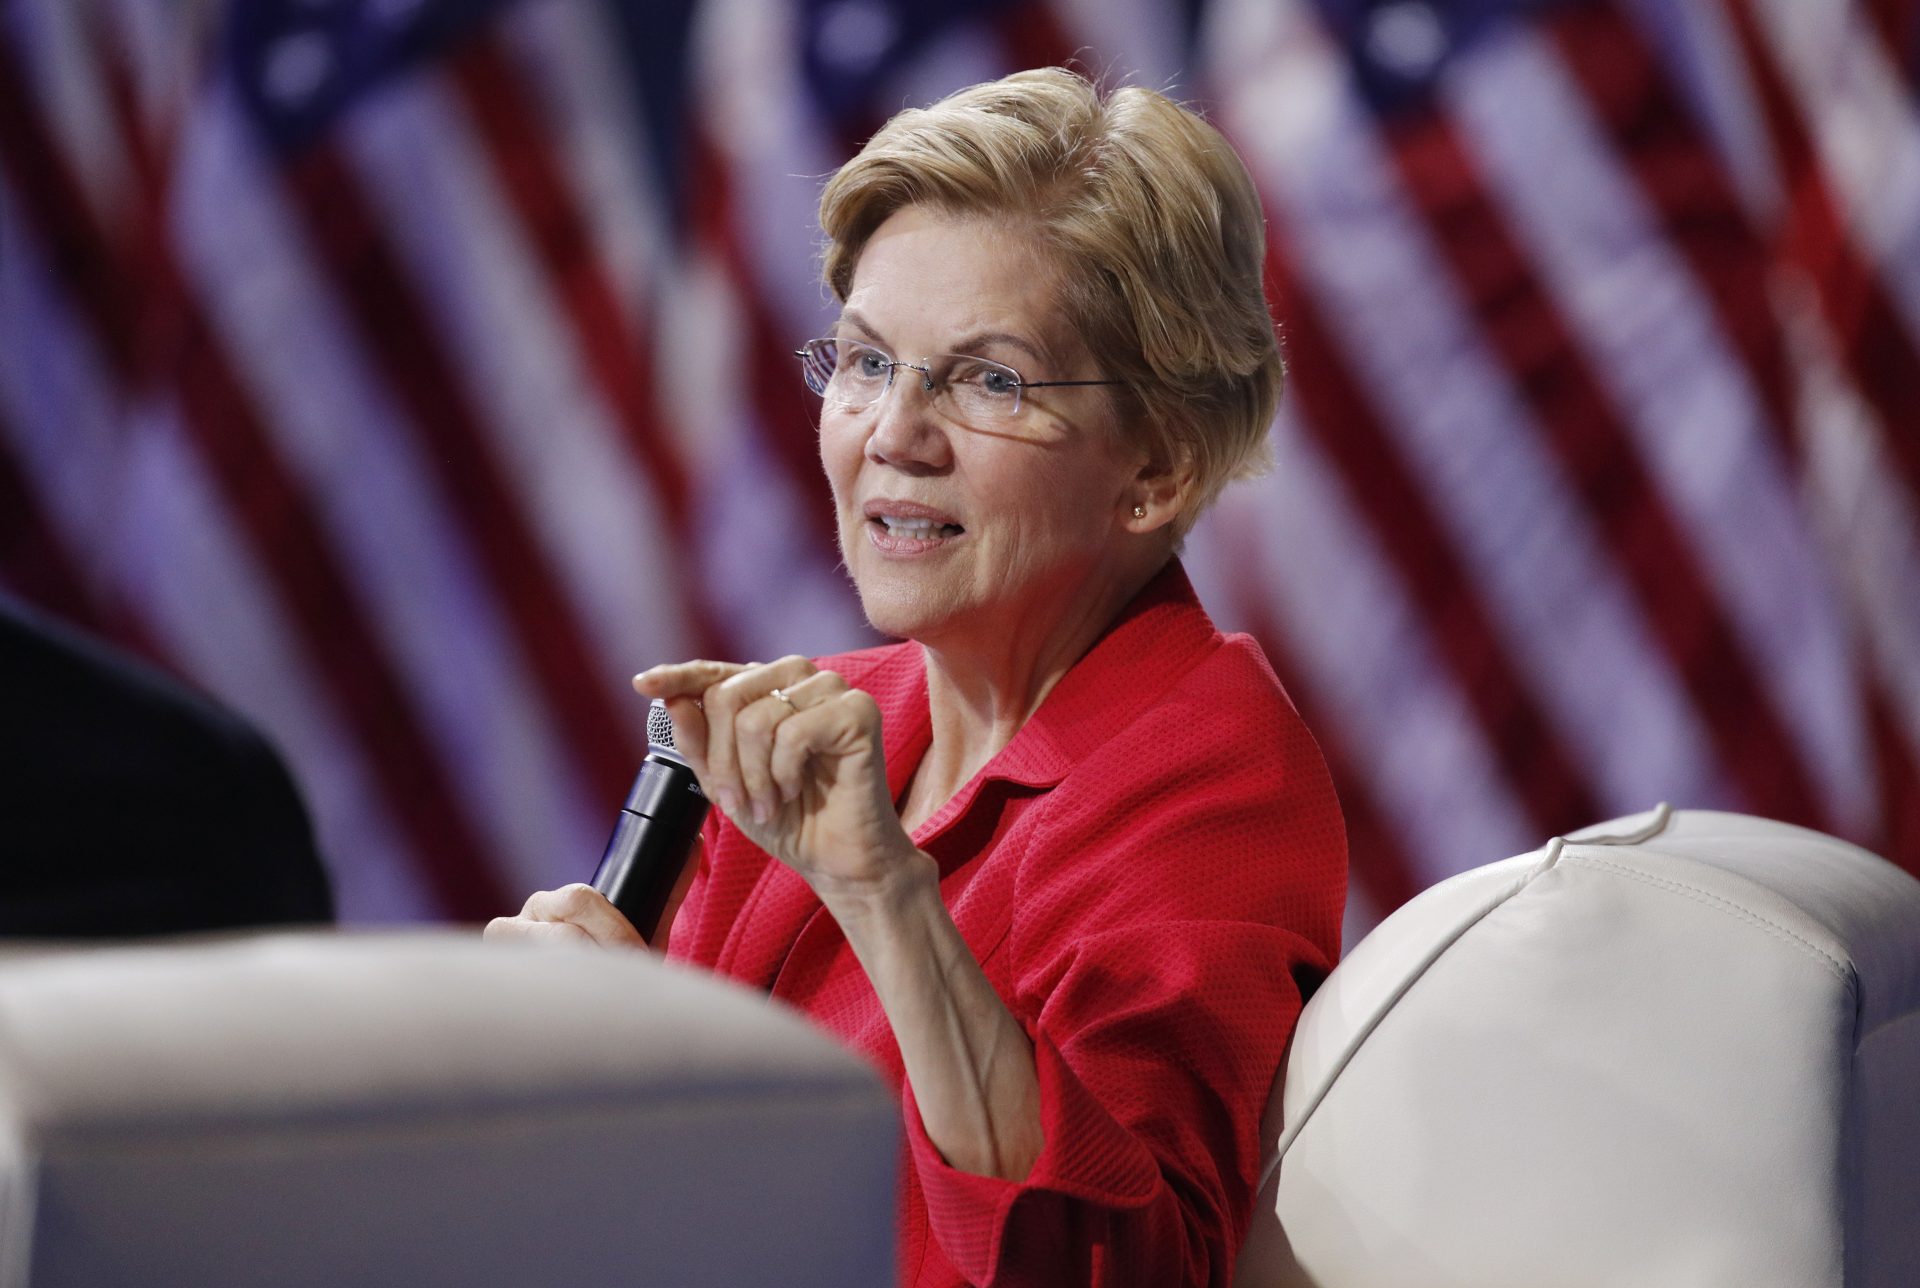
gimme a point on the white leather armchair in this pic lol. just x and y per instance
(1678, 1049)
(313, 1111)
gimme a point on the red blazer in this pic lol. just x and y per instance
(1151, 873)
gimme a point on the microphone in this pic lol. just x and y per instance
(655, 831)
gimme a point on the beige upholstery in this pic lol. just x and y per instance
(424, 1109)
(1673, 1051)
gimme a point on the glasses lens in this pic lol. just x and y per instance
(862, 374)
(850, 374)
(982, 393)
(845, 372)
(816, 364)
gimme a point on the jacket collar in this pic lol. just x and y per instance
(1159, 636)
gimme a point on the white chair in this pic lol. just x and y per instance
(1678, 1049)
(312, 1111)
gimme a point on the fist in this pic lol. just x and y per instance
(572, 914)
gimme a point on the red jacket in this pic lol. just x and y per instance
(1149, 873)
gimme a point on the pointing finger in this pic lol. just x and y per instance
(684, 679)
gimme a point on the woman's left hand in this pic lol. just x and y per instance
(793, 756)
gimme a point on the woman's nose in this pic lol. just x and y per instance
(907, 432)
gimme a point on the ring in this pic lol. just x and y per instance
(782, 695)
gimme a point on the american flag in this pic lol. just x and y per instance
(409, 373)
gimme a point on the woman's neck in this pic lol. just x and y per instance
(981, 691)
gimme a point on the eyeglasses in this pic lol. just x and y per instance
(852, 375)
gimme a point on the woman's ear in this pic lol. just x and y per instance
(1159, 493)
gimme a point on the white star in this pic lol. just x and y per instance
(296, 66)
(1407, 38)
(854, 34)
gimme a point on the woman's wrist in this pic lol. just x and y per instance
(899, 885)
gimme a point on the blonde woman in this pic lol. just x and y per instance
(1062, 862)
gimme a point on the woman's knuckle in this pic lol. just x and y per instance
(572, 900)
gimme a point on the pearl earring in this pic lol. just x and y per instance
(1139, 511)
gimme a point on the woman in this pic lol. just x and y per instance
(1061, 863)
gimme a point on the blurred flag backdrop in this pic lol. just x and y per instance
(410, 372)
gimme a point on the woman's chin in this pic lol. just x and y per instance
(903, 609)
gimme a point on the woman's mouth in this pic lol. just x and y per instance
(916, 529)
(909, 534)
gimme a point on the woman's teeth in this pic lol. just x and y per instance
(918, 529)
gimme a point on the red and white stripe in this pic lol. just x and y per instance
(1561, 605)
(1685, 409)
(385, 513)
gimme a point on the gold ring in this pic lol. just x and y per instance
(782, 695)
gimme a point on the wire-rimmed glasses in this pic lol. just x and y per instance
(851, 375)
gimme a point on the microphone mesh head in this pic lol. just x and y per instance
(659, 728)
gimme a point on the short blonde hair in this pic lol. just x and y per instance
(1155, 225)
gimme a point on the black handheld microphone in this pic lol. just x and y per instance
(655, 830)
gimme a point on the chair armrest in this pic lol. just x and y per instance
(422, 1108)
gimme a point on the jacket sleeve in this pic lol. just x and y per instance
(1161, 945)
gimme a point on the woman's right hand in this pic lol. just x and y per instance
(580, 914)
(572, 914)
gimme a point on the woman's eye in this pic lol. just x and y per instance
(982, 378)
(870, 365)
(998, 381)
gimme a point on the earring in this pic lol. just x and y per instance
(1139, 511)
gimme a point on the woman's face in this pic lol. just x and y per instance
(998, 534)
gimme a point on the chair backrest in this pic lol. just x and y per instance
(1679, 1048)
(422, 1109)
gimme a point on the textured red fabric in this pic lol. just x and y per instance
(1150, 873)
